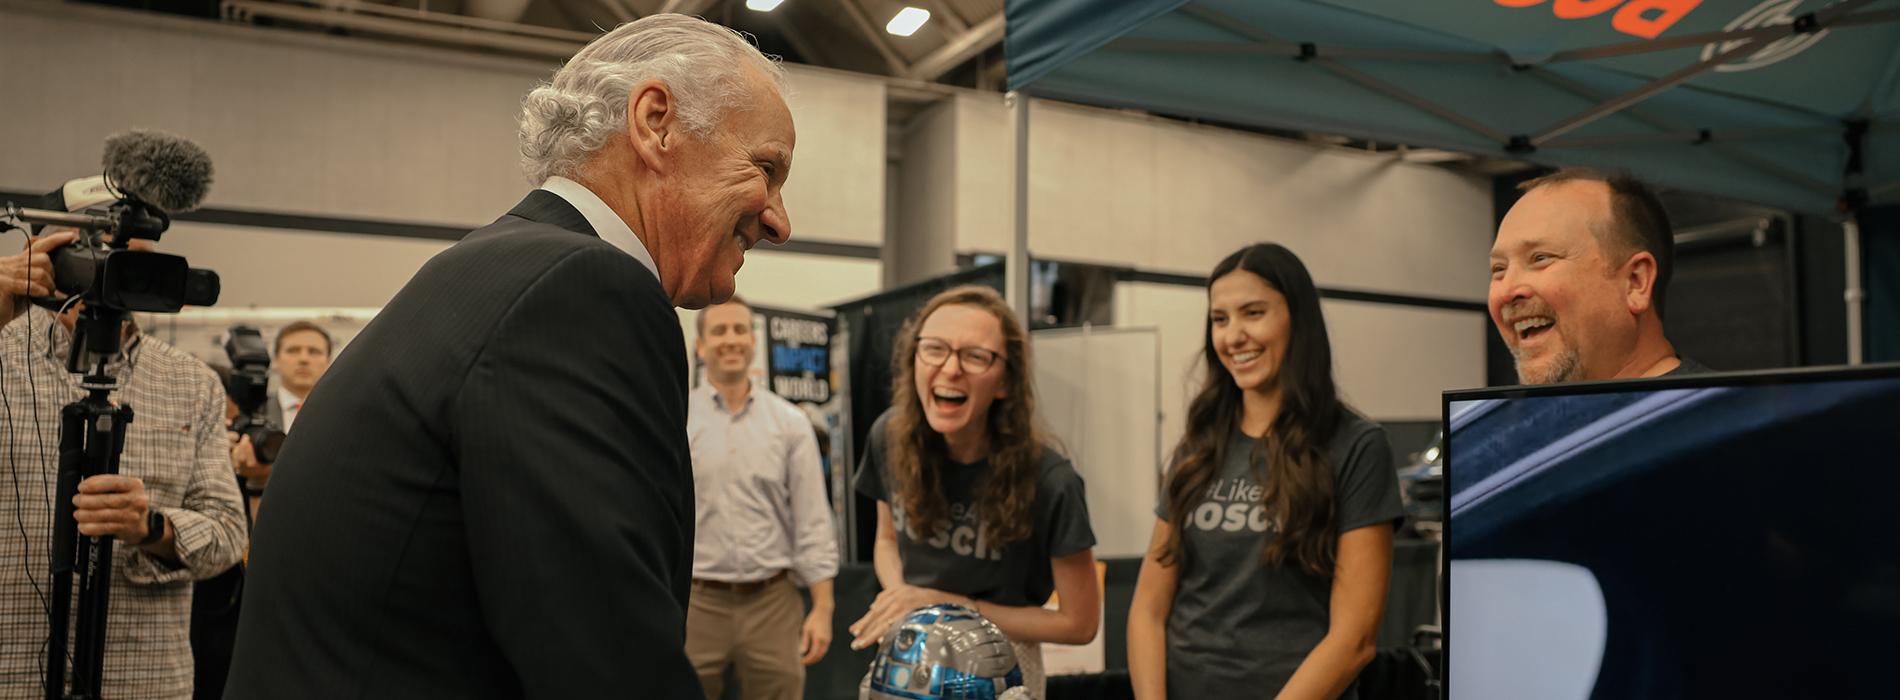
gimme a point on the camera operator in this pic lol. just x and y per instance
(173, 505)
(301, 354)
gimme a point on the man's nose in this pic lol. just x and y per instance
(776, 221)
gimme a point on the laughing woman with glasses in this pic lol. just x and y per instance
(975, 507)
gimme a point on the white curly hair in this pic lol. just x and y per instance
(566, 119)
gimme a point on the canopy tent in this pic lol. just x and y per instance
(1788, 103)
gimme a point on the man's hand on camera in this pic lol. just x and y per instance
(29, 273)
(245, 458)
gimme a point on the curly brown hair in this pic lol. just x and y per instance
(917, 455)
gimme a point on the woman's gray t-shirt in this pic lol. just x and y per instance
(1237, 626)
(960, 559)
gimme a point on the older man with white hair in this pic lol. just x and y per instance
(489, 495)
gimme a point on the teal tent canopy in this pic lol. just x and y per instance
(1788, 103)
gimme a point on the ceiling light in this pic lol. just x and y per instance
(907, 21)
(762, 5)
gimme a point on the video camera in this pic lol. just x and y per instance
(249, 389)
(147, 177)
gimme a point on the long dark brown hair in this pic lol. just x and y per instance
(1290, 461)
(916, 455)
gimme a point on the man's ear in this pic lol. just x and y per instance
(1639, 283)
(652, 123)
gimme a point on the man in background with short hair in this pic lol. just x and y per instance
(1578, 276)
(301, 354)
(761, 522)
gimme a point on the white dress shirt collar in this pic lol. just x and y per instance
(605, 221)
(291, 406)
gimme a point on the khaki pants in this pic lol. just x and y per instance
(756, 632)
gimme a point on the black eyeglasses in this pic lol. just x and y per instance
(935, 352)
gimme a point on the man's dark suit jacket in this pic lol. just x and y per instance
(489, 495)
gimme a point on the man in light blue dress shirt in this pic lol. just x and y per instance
(762, 524)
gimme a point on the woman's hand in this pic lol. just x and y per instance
(892, 605)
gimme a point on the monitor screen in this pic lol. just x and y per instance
(1717, 536)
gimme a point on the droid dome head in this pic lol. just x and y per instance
(944, 652)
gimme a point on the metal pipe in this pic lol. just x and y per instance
(1417, 102)
(1016, 271)
(1854, 295)
(1822, 20)
(863, 21)
(441, 18)
(239, 9)
(965, 46)
(1632, 48)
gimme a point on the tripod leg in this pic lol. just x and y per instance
(95, 588)
(72, 437)
(105, 441)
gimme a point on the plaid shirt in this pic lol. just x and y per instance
(176, 444)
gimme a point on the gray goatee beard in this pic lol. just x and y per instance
(1562, 368)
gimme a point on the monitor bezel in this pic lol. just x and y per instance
(1765, 377)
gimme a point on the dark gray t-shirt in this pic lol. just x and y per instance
(1688, 367)
(1239, 628)
(959, 559)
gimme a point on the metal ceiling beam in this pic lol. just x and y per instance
(859, 17)
(964, 47)
(942, 11)
(466, 36)
(439, 19)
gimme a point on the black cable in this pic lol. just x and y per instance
(7, 439)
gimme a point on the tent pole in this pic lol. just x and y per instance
(1619, 102)
(1421, 104)
(1769, 33)
(1850, 229)
(1821, 20)
(1718, 146)
(1016, 268)
(1881, 191)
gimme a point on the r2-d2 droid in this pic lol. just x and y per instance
(944, 652)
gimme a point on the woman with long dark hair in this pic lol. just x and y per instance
(1268, 568)
(975, 507)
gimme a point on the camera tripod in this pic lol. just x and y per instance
(91, 438)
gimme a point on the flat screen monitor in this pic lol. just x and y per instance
(1713, 536)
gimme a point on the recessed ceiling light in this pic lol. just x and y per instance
(907, 21)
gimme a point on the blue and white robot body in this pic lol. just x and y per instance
(944, 652)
